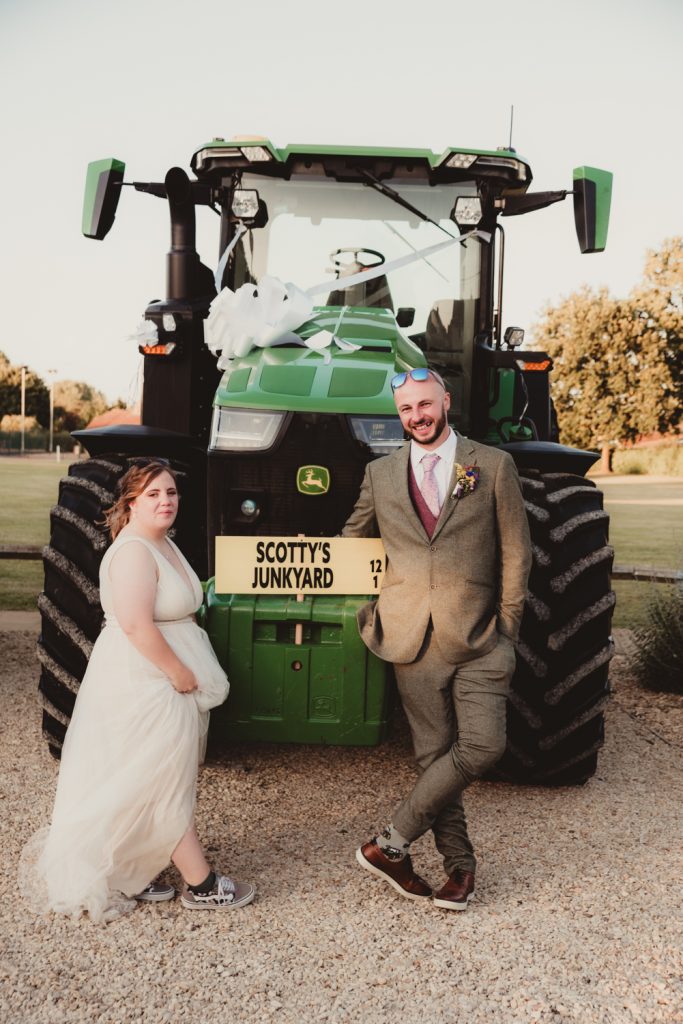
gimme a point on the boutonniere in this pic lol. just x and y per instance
(466, 480)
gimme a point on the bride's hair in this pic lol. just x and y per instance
(130, 486)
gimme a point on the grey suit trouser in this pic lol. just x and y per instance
(457, 718)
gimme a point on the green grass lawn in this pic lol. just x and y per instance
(646, 533)
(649, 533)
(29, 489)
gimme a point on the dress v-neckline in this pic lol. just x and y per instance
(184, 577)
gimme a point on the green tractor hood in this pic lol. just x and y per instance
(331, 380)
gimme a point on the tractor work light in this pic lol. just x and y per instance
(240, 430)
(255, 154)
(461, 161)
(513, 337)
(245, 203)
(467, 211)
(500, 162)
(383, 434)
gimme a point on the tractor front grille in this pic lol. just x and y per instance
(270, 479)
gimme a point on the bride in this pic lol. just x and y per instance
(127, 784)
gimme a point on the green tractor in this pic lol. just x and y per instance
(398, 261)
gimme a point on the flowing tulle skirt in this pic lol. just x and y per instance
(127, 781)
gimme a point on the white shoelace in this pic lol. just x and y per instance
(225, 890)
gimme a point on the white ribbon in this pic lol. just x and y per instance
(403, 261)
(145, 333)
(267, 314)
(222, 263)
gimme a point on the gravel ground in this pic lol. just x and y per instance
(577, 916)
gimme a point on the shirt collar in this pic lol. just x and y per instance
(445, 451)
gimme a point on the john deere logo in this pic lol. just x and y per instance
(313, 480)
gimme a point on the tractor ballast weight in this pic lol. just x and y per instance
(239, 436)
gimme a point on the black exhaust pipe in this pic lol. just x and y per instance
(182, 259)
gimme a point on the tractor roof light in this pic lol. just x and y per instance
(461, 161)
(467, 212)
(256, 154)
(205, 158)
(513, 337)
(504, 163)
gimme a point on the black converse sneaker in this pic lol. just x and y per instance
(225, 894)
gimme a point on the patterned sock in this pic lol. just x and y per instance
(392, 844)
(204, 887)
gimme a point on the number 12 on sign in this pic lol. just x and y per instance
(376, 569)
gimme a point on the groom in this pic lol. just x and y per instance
(451, 516)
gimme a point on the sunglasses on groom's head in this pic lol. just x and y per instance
(422, 373)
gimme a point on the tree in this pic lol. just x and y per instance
(618, 367)
(76, 403)
(37, 395)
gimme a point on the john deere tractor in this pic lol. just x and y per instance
(401, 254)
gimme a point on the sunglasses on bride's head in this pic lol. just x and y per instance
(422, 373)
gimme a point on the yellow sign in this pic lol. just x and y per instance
(299, 565)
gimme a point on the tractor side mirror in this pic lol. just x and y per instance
(592, 198)
(102, 190)
(405, 316)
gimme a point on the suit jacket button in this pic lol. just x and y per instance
(433, 547)
(433, 586)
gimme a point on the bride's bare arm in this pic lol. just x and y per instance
(133, 575)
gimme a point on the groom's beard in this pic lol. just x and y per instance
(426, 437)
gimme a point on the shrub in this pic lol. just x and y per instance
(659, 644)
(659, 459)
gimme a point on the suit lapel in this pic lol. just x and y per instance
(400, 483)
(464, 448)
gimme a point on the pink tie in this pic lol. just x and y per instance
(430, 488)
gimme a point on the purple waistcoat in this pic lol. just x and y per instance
(427, 517)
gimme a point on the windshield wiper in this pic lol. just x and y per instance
(390, 193)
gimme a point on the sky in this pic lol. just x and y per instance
(150, 81)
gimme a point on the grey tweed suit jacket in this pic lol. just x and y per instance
(470, 578)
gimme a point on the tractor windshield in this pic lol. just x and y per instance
(320, 232)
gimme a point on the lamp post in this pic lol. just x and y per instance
(51, 374)
(23, 406)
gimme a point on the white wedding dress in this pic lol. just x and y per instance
(127, 781)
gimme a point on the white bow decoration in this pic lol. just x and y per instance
(145, 333)
(255, 316)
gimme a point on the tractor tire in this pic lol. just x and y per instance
(71, 615)
(561, 685)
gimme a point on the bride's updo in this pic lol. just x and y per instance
(130, 486)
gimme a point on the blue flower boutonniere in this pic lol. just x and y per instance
(466, 480)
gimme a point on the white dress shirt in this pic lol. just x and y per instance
(444, 467)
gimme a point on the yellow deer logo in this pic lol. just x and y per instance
(313, 480)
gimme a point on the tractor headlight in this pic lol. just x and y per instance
(239, 430)
(381, 433)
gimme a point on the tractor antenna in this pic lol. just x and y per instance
(512, 114)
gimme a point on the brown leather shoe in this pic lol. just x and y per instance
(398, 873)
(457, 892)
